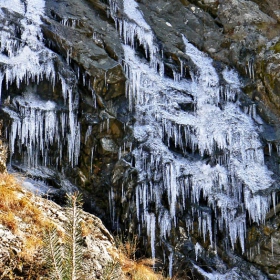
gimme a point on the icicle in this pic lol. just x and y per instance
(170, 259)
(182, 67)
(93, 98)
(137, 198)
(1, 81)
(151, 228)
(272, 253)
(176, 76)
(108, 124)
(84, 79)
(269, 148)
(251, 70)
(69, 54)
(254, 113)
(91, 158)
(113, 7)
(112, 205)
(198, 250)
(88, 133)
(274, 201)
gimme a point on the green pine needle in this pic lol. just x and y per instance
(65, 260)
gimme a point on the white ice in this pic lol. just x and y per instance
(27, 60)
(222, 133)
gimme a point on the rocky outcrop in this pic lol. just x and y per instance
(243, 34)
(23, 227)
(89, 41)
(263, 244)
(87, 51)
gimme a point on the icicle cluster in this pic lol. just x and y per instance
(136, 27)
(210, 152)
(70, 22)
(24, 59)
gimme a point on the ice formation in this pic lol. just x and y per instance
(208, 151)
(24, 59)
(211, 151)
(232, 274)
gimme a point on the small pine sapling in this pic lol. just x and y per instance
(64, 259)
(54, 254)
(73, 234)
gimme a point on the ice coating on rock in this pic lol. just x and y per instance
(228, 130)
(198, 250)
(35, 128)
(25, 59)
(211, 151)
(14, 5)
(232, 274)
(137, 27)
(37, 125)
(132, 10)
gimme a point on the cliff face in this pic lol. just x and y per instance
(69, 122)
(88, 122)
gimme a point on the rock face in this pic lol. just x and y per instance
(264, 245)
(79, 102)
(69, 122)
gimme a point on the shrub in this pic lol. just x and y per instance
(64, 257)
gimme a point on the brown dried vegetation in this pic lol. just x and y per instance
(25, 220)
(133, 268)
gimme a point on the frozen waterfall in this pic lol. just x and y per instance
(209, 151)
(36, 123)
(198, 154)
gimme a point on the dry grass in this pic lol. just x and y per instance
(9, 220)
(128, 246)
(22, 217)
(85, 229)
(142, 270)
(8, 193)
(133, 268)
